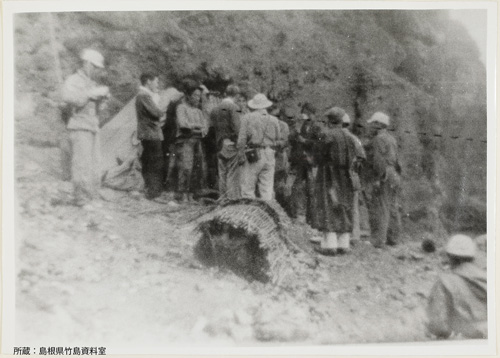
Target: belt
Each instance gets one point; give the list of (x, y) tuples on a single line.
[(256, 146)]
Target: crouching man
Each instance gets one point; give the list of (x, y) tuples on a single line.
[(457, 303)]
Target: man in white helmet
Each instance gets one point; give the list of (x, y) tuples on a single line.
[(83, 95), (457, 305), (383, 163)]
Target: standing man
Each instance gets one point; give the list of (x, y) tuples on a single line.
[(150, 134), (192, 127), (84, 96), (282, 165), (358, 162), (333, 188), (302, 164), (385, 221), (259, 134), (458, 300), (226, 120)]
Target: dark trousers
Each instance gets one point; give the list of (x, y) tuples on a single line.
[(302, 192), (191, 165), (170, 169), (210, 148), (385, 221), (152, 162)]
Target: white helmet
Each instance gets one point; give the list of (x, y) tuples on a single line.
[(379, 117), (346, 119), (93, 57), (461, 245)]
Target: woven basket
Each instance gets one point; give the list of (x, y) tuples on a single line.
[(250, 237)]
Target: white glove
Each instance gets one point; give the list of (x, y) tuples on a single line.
[(99, 92)]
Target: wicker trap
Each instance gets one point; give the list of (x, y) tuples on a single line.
[(251, 238)]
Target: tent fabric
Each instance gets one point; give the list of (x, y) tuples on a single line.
[(120, 148)]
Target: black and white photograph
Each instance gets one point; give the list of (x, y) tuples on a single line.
[(248, 177)]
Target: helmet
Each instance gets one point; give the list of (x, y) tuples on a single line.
[(346, 119), (335, 115), (461, 245), (93, 57), (379, 117), (259, 101)]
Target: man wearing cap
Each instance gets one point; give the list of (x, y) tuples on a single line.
[(457, 303), (84, 96), (358, 162), (334, 153), (259, 134), (150, 134), (385, 221), (226, 121)]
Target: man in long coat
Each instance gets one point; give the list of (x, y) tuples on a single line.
[(334, 153)]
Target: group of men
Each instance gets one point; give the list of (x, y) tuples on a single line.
[(311, 164)]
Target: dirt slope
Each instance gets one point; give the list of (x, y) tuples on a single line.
[(125, 274)]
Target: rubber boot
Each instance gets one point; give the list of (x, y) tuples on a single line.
[(329, 244), (344, 243)]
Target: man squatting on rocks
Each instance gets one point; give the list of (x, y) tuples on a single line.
[(83, 98), (457, 303)]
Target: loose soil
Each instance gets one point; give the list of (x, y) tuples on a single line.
[(124, 274)]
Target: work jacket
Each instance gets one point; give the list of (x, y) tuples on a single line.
[(76, 93), (457, 303), (148, 116)]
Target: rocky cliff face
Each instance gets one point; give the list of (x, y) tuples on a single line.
[(418, 66)]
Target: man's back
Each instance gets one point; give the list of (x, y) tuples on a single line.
[(384, 151), (148, 117), (259, 128), (458, 303), (226, 121)]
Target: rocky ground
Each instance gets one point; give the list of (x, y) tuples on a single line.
[(124, 274)]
